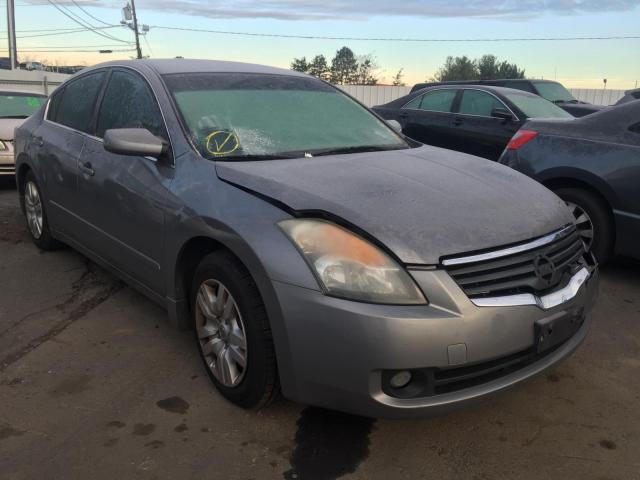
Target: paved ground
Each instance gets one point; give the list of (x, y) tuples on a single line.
[(94, 384)]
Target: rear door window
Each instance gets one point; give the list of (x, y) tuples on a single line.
[(78, 102), (436, 101), (129, 103), (479, 103)]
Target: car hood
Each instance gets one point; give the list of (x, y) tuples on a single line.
[(7, 127), (422, 203)]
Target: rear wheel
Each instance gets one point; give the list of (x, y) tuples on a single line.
[(593, 221), (232, 332), (36, 215)]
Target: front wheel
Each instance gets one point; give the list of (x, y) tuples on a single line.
[(232, 332), (593, 221)]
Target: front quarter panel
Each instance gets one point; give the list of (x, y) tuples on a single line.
[(207, 207)]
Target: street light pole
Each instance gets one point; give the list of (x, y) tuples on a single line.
[(135, 28), (11, 30)]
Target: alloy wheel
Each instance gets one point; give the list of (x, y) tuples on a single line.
[(33, 209), (221, 333), (584, 224)]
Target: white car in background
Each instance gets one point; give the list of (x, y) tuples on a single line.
[(15, 107)]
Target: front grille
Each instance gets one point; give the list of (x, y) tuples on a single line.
[(537, 270)]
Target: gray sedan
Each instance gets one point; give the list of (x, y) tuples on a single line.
[(311, 248)]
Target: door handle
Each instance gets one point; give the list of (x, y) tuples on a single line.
[(457, 122), (87, 169), (38, 142)]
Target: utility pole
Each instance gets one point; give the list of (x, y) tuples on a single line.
[(11, 30), (135, 28)]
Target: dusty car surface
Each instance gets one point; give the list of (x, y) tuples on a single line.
[(312, 249), (15, 106)]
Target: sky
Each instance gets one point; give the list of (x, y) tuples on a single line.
[(577, 64)]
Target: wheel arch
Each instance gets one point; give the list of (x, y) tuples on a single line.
[(190, 254), (577, 178)]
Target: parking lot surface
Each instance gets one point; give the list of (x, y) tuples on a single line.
[(95, 384)]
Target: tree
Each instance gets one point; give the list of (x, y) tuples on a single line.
[(344, 66), (509, 70), (397, 79), (490, 69), (366, 71), (300, 65), (486, 67), (458, 68), (320, 68)]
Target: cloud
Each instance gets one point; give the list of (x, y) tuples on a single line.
[(362, 10)]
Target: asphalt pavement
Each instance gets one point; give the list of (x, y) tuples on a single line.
[(95, 384)]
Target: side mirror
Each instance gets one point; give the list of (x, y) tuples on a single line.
[(134, 141), (502, 113), (395, 125)]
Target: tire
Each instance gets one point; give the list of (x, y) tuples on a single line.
[(34, 206), (598, 213), (256, 384)]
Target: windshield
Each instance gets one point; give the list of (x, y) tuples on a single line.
[(19, 105), (233, 116), (534, 106), (554, 92)]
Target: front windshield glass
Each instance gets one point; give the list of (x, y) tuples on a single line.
[(233, 116), (534, 106), (554, 92), (19, 105)]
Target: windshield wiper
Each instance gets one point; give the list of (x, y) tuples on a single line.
[(358, 149), (573, 100), (14, 116), (239, 158)]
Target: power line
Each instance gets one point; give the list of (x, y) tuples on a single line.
[(383, 39), (87, 13), (65, 11), (74, 51), (73, 46), (64, 32)]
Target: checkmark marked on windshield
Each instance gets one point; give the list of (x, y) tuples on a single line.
[(222, 142)]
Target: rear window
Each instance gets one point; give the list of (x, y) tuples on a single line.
[(536, 107), (554, 92)]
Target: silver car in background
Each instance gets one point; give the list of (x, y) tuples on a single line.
[(15, 107), (311, 248)]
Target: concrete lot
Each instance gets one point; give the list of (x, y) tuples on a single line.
[(95, 384)]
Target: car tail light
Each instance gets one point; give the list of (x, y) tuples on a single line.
[(521, 138)]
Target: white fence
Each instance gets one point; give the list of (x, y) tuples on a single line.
[(34, 81), (46, 82), (378, 95)]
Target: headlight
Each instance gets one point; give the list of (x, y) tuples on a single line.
[(3, 146), (349, 266)]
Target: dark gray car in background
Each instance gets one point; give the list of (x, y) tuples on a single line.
[(311, 248), (593, 163)]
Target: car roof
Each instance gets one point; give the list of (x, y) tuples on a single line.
[(474, 86), (182, 65)]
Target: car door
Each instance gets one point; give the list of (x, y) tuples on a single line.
[(478, 132), (123, 197), (58, 143), (427, 118)]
